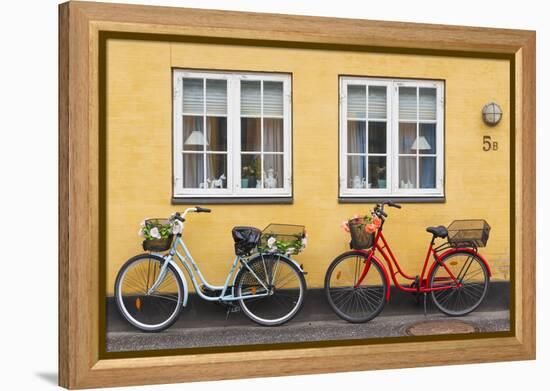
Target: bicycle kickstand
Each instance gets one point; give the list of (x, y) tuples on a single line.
[(425, 312)]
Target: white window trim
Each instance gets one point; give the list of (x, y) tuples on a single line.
[(233, 136), (392, 141)]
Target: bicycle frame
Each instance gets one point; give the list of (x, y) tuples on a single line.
[(191, 266), (422, 283)]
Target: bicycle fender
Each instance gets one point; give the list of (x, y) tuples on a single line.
[(184, 281), (384, 271), (462, 250)]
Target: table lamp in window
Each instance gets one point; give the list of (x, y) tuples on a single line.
[(421, 144), (196, 138)]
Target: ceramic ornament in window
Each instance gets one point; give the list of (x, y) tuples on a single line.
[(217, 183), (270, 180), (357, 182)]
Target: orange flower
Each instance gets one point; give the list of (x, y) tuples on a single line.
[(377, 221), (370, 228)]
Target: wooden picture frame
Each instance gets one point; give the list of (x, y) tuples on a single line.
[(83, 28)]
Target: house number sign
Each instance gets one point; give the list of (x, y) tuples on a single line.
[(489, 144)]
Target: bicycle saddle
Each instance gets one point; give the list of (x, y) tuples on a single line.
[(439, 231)]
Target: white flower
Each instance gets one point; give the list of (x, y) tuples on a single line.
[(304, 242), (290, 250), (177, 228), (271, 242), (155, 233)]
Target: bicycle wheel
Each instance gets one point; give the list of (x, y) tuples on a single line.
[(286, 288), (471, 272), (356, 304), (148, 312)]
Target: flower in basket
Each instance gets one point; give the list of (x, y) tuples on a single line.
[(156, 229), (287, 247), (345, 226), (177, 227), (366, 222)]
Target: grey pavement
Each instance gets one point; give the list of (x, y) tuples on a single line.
[(322, 330), (205, 324)]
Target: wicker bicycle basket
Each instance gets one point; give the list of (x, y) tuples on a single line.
[(157, 245), (360, 239), (468, 232)]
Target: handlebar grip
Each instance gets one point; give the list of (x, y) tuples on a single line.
[(393, 205), (200, 209)]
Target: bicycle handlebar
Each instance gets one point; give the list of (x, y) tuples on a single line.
[(196, 209), (379, 208)]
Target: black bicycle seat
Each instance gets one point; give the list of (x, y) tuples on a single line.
[(439, 231)]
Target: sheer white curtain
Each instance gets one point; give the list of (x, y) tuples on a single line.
[(204, 98)]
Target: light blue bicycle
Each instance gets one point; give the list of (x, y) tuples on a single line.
[(151, 289)]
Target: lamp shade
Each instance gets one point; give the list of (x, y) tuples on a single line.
[(421, 144), (196, 138)]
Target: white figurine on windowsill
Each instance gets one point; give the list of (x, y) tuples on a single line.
[(270, 180), (217, 183)]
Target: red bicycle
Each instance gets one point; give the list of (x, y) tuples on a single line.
[(357, 284)]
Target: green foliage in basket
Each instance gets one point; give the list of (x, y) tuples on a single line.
[(154, 229), (288, 247)]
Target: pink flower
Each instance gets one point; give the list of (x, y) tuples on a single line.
[(377, 222), (345, 226)]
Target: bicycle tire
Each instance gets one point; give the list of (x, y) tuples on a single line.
[(469, 292), (124, 307), (246, 279), (336, 298)]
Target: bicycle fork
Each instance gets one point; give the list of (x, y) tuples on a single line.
[(162, 274)]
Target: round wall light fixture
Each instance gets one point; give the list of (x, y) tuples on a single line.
[(491, 113)]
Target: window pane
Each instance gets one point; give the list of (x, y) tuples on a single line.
[(250, 97), (216, 97), (216, 170), (356, 136), (216, 133), (407, 136), (426, 142), (193, 95), (273, 171), (250, 134), (273, 99), (377, 137), (250, 171), (273, 135), (407, 103), (377, 102), (427, 172), (193, 134), (427, 106), (357, 101), (407, 172), (193, 170), (356, 172), (377, 172)]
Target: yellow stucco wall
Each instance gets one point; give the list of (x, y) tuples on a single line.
[(139, 147)]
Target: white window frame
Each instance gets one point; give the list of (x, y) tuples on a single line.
[(233, 115), (392, 138)]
